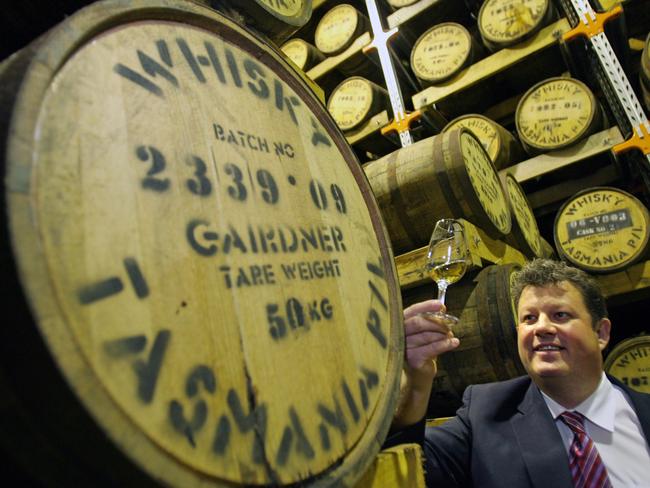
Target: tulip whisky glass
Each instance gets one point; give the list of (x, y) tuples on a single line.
[(447, 260)]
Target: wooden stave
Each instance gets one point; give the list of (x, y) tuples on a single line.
[(410, 218), (487, 333), (595, 123), (509, 151), (392, 207), (87, 23), (494, 45), (645, 243), (379, 101)]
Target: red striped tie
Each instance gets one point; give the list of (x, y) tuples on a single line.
[(587, 469)]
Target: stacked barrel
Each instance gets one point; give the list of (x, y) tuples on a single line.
[(202, 207), (516, 135), (197, 281)]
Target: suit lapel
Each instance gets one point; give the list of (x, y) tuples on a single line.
[(540, 442), (641, 404)]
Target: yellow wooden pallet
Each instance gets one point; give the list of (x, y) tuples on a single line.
[(633, 278), (397, 467), (410, 266)]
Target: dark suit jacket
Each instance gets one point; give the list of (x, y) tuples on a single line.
[(502, 436)]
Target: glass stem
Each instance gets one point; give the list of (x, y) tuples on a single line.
[(442, 291)]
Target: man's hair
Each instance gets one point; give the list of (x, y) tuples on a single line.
[(545, 272)]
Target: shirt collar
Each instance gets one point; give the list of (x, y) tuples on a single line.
[(599, 407)]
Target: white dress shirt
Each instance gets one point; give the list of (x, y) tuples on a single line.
[(612, 424)]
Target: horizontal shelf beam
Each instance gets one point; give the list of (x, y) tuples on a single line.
[(548, 162), (330, 63), (370, 127)]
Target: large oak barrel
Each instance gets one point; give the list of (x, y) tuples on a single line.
[(602, 229), (487, 333), (199, 281), (629, 361), (444, 176)]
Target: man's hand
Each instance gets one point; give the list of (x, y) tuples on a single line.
[(426, 339)]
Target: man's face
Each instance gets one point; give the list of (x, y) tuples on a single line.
[(555, 336)]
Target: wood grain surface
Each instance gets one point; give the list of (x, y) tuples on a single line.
[(200, 250), (445, 176)]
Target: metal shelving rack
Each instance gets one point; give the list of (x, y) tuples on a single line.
[(616, 87)]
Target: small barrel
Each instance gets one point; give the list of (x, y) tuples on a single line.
[(339, 28), (355, 100), (429, 13), (504, 23), (502, 147), (277, 20), (524, 235), (447, 175), (556, 113), (188, 247), (629, 362), (303, 54), (487, 333), (601, 229), (442, 52), (644, 73)]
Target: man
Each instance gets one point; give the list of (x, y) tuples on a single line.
[(511, 434)]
